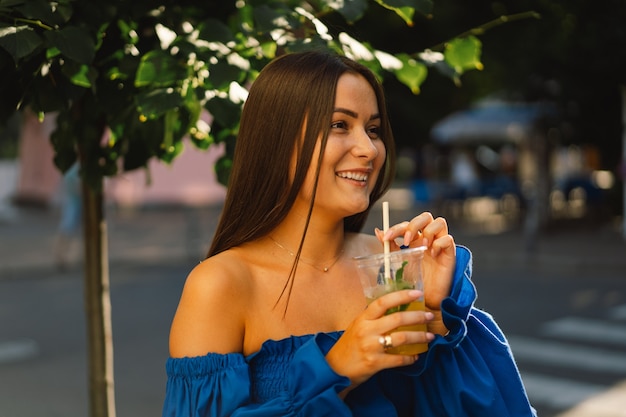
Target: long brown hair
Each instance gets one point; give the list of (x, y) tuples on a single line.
[(288, 90)]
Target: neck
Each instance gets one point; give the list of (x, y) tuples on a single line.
[(323, 242)]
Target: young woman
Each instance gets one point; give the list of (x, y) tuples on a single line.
[(274, 322)]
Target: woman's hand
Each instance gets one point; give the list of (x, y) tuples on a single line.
[(439, 259), (359, 353)]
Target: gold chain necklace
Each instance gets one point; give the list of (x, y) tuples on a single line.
[(323, 269)]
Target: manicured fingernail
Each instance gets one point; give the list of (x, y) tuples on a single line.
[(430, 336), (428, 315), (415, 293), (407, 238)]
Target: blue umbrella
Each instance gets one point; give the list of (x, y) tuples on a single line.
[(491, 121)]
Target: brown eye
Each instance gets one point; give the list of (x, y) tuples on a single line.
[(338, 125), (374, 132)]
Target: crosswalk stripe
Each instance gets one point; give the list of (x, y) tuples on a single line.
[(618, 312), (568, 355), (586, 329), (16, 350), (611, 403), (557, 393)]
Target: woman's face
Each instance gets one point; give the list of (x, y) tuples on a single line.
[(354, 152)]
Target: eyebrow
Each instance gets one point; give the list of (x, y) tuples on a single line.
[(354, 114)]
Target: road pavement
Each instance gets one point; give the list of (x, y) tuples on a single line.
[(42, 336)]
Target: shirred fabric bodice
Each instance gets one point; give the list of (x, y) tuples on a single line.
[(269, 365)]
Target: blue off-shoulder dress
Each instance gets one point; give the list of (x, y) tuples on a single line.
[(469, 372)]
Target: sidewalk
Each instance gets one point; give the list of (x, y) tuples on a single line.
[(180, 234), (28, 237)]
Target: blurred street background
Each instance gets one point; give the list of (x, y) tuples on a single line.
[(562, 305)]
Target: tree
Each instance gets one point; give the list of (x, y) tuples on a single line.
[(129, 81)]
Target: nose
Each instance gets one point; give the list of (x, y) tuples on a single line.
[(365, 147)]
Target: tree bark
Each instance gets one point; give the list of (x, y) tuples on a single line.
[(98, 305)]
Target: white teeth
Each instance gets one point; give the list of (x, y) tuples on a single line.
[(357, 176)]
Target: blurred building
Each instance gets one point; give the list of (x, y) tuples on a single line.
[(189, 180)]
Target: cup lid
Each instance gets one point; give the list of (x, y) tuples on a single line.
[(378, 257)]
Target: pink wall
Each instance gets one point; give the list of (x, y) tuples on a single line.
[(189, 180), (38, 178)]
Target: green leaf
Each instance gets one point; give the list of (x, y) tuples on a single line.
[(213, 30), (63, 142), (350, 10), (222, 74), (142, 140), (80, 75), (406, 8), (171, 152), (267, 19), (52, 53), (464, 54), (75, 43), (159, 69), (222, 169), (224, 111), (200, 135), (244, 17), (154, 103), (400, 272), (8, 4), (269, 49), (45, 11), (51, 93), (19, 41), (171, 119), (412, 74)]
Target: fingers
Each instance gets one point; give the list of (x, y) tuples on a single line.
[(386, 323), (421, 230), (401, 338), (382, 236), (395, 321), (362, 350), (444, 244), (379, 307), (403, 318)]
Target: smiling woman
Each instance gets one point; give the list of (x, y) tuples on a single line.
[(274, 321)]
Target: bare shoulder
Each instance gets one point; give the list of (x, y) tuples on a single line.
[(210, 315)]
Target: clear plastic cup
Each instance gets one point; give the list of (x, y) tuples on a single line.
[(405, 272)]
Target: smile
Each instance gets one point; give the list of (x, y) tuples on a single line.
[(356, 176)]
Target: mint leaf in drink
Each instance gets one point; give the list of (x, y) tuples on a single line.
[(399, 285), (400, 271)]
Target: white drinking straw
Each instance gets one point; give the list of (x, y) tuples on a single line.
[(386, 242)]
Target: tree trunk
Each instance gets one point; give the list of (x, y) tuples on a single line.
[(98, 305)]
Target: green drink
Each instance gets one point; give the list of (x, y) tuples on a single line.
[(402, 270)]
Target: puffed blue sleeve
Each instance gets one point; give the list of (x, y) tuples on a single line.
[(470, 372), (211, 385), (219, 385)]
